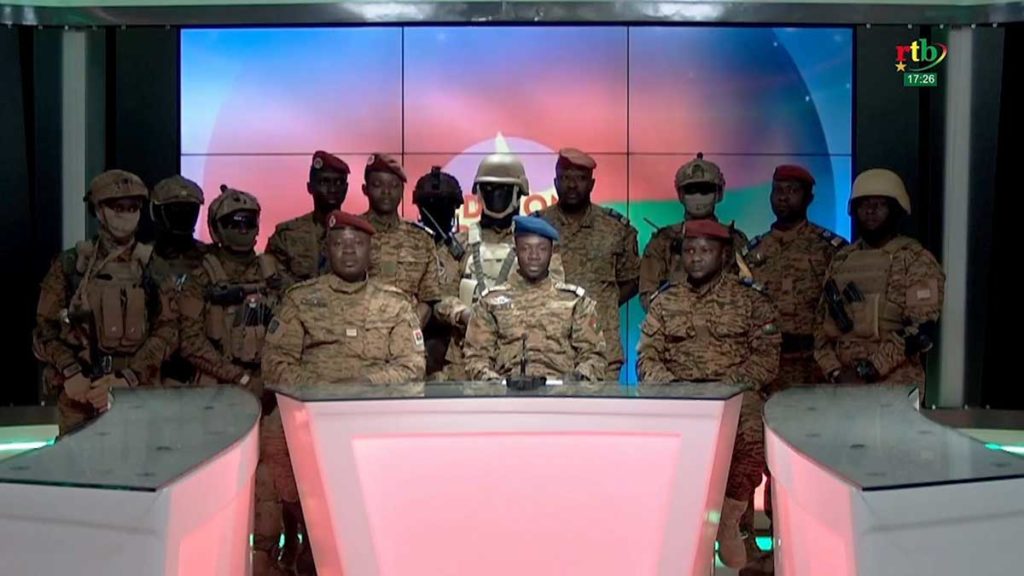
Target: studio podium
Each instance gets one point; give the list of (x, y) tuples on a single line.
[(865, 485), (160, 485), (473, 478)]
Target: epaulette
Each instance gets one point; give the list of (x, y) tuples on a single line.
[(749, 283), (497, 288), (570, 288), (663, 288), (614, 214), (422, 227), (834, 239), (392, 289), (302, 284)]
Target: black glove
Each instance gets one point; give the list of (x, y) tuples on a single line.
[(919, 339), (525, 382), (866, 371)]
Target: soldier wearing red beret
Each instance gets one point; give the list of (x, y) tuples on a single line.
[(403, 252), (712, 325), (598, 247), (298, 243), (790, 261)]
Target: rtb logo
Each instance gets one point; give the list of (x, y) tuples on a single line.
[(919, 56)]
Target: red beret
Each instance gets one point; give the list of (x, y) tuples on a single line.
[(339, 219), (706, 229), (573, 158), (324, 161), (793, 172), (383, 163)]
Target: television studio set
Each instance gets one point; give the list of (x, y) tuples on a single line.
[(510, 288)]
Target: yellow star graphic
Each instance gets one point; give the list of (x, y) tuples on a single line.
[(900, 66)]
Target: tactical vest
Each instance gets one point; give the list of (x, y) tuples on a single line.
[(239, 313), (487, 265), (874, 317), (115, 293)]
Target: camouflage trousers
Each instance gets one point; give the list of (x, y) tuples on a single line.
[(275, 483), (747, 465)]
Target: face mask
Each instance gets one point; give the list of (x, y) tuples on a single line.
[(699, 205), (178, 218), (498, 202), (120, 225), (239, 240)]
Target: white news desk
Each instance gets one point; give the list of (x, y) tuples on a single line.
[(865, 485), (474, 479), (159, 485)]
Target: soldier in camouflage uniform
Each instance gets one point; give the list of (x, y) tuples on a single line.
[(297, 244), (790, 261), (700, 186), (174, 208), (337, 328), (342, 327), (889, 288), (225, 307), (714, 326), (490, 257), (598, 247), (102, 321), (438, 196), (553, 323), (403, 252)]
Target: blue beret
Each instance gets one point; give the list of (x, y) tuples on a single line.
[(535, 225)]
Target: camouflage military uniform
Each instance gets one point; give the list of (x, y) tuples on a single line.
[(558, 320), (403, 256), (662, 263), (791, 265), (328, 330), (724, 331), (903, 285), (444, 339), (598, 253), (224, 341), (134, 323), (297, 244)]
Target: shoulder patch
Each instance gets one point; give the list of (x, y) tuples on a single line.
[(579, 291)]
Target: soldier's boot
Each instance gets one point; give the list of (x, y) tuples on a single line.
[(731, 548), (762, 566), (290, 551), (263, 564), (305, 565)]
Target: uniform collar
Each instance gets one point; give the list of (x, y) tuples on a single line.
[(339, 285), (516, 280), (585, 221), (709, 287), (382, 223), (795, 231)]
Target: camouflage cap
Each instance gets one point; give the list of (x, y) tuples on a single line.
[(699, 170), (114, 184), (177, 189)]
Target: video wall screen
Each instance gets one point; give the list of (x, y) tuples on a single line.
[(256, 103)]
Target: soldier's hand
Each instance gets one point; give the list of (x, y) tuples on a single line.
[(77, 387), (848, 375), (99, 394)]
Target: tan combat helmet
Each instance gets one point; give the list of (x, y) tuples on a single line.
[(700, 170), (502, 169), (229, 202), (879, 182), (177, 189), (115, 184)]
